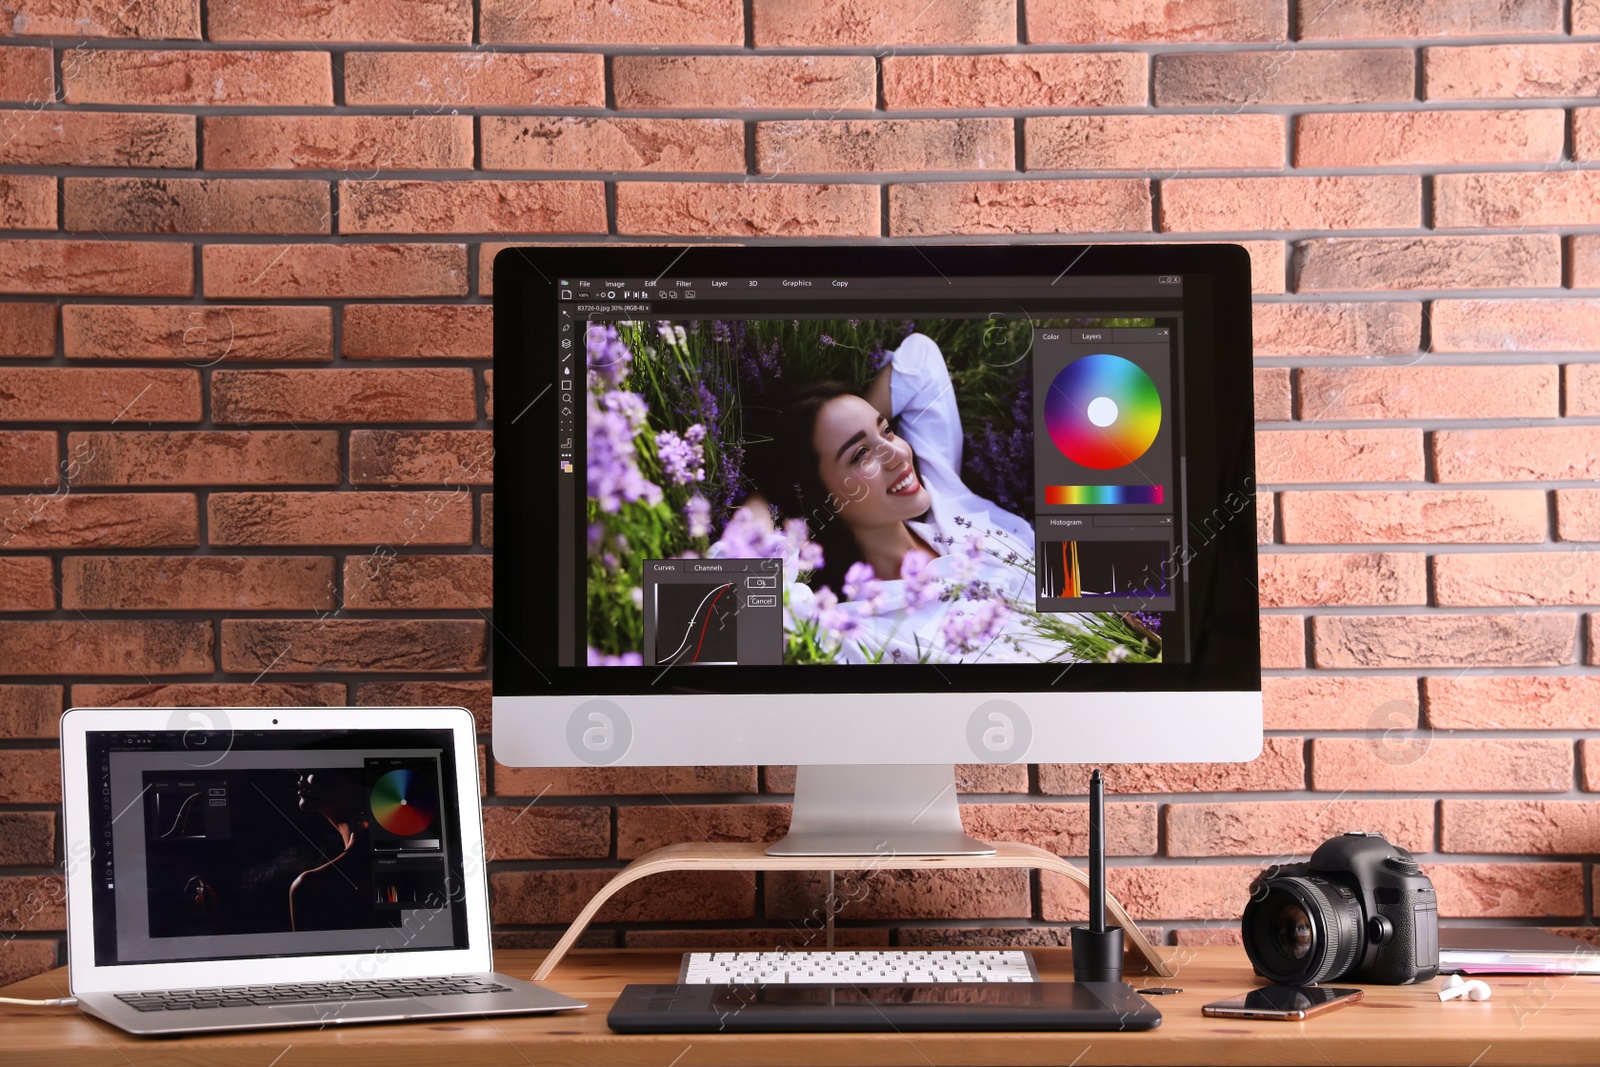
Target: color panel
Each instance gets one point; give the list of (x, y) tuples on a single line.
[(1102, 411), (403, 803), (1104, 494)]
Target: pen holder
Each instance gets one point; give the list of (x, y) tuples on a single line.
[(1097, 957)]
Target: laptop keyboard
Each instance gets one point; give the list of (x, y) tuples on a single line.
[(308, 993)]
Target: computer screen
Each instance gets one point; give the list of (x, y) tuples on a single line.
[(914, 474)]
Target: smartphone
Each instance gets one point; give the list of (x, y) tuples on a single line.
[(1282, 1002)]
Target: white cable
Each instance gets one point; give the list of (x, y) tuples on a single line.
[(58, 1002)]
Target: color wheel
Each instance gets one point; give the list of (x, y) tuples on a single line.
[(1102, 411), (404, 803)]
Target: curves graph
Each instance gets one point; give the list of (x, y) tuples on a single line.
[(694, 624)]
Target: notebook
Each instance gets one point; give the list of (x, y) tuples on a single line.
[(238, 868)]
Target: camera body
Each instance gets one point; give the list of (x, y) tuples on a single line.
[(1361, 909)]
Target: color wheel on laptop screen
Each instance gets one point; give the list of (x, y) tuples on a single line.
[(1102, 411), (403, 803)]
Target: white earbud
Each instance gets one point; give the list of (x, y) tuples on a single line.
[(1455, 988)]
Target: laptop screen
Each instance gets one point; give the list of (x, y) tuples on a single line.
[(253, 844)]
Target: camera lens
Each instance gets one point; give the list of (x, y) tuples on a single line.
[(1301, 931)]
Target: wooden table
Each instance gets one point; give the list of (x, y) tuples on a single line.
[(1552, 1020)]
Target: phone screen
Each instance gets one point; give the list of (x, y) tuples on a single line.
[(1283, 1002)]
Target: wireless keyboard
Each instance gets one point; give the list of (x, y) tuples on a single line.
[(877, 967)]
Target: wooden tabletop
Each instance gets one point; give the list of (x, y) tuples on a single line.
[(1538, 1020)]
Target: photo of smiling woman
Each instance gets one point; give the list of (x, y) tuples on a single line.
[(887, 464)]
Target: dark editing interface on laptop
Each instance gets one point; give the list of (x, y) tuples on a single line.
[(1034, 459), (215, 844)]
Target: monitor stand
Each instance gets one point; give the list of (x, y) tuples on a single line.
[(873, 810)]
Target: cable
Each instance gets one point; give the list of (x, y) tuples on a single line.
[(58, 1002)]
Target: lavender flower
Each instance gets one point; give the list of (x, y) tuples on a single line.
[(682, 458), (720, 331), (920, 586), (698, 513), (860, 581), (608, 357), (825, 341), (615, 418), (626, 659), (969, 631)]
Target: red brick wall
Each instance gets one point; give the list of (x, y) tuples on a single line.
[(246, 389)]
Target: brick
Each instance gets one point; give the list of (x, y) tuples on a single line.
[(1525, 827), (1277, 76), (1593, 658), (1456, 516), (1421, 138), (378, 143), (1347, 202), (768, 83), (1064, 828), (96, 139), (28, 458), (196, 205), (1209, 934), (476, 697), (1346, 578), (1319, 20), (30, 711), (1266, 517), (1591, 765), (1313, 329), (1585, 17), (1067, 22), (1517, 454), (1156, 142), (26, 584), (621, 781), (264, 693), (332, 644), (701, 939), (486, 521), (198, 335), (23, 958), (27, 202), (384, 519), (1516, 579), (412, 21), (1583, 261), (100, 520), (28, 331), (32, 903), (437, 81), (693, 22), (1582, 388), (643, 828), (1430, 764), (1102, 205), (556, 896), (418, 582), (1510, 71), (27, 75), (197, 583), (1281, 766), (1273, 399), (471, 207), (27, 839), (1507, 890), (264, 272), (82, 394), (1340, 703), (205, 457), (488, 395), (419, 394), (1292, 828), (800, 146), (1283, 642), (1285, 457), (546, 832), (834, 23), (1183, 892), (29, 776), (747, 209), (546, 939), (1428, 392), (1351, 641), (120, 268), (626, 144), (802, 896), (1586, 138), (1577, 515), (1511, 702), (418, 331), (1505, 199), (177, 77), (106, 647), (1514, 325), (1014, 80), (421, 457), (1336, 264), (103, 18)]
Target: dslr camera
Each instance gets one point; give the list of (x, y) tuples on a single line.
[(1360, 909)]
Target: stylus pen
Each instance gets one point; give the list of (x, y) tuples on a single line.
[(1097, 852)]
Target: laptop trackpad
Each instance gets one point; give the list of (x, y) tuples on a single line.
[(355, 1011)]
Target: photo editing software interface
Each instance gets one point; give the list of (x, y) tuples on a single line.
[(869, 470), (282, 843)]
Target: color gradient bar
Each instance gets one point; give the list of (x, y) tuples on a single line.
[(1104, 494)]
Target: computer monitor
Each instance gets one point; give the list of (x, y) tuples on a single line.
[(874, 511)]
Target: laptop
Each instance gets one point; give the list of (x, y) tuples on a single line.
[(241, 868)]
